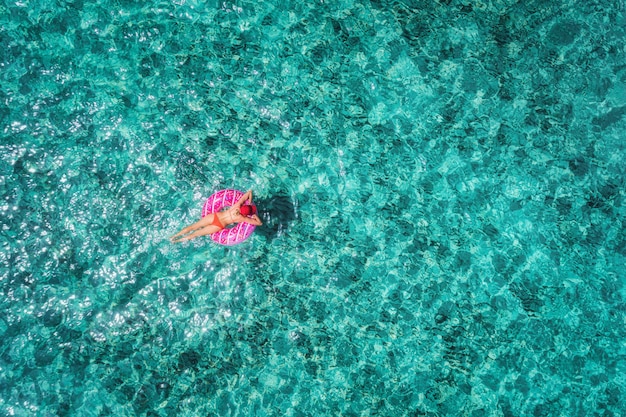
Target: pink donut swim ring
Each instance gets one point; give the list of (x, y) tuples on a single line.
[(226, 236)]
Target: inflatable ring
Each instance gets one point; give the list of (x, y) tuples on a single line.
[(227, 236)]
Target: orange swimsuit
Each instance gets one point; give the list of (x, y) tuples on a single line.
[(217, 222)]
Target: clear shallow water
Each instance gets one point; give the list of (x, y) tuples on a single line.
[(442, 186)]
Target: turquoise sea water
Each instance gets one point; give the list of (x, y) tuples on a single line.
[(442, 185)]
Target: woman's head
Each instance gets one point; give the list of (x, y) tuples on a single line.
[(247, 209)]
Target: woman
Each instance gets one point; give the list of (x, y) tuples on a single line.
[(215, 222)]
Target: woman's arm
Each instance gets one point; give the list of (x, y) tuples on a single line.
[(254, 220), (246, 196)]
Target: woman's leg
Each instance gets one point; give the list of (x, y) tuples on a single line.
[(205, 221), (201, 232)]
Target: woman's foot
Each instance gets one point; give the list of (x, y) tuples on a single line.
[(177, 238)]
